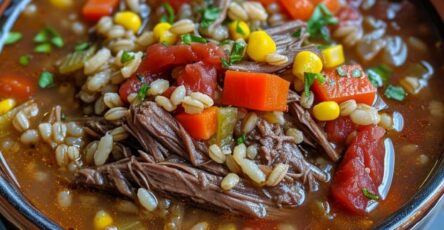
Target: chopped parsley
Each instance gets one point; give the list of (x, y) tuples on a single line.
[(46, 80), (81, 46), (309, 79), (241, 139), (209, 15), (341, 71), (225, 42), (297, 34), (170, 15), (395, 92), (24, 59), (319, 21), (239, 30), (43, 48), (356, 73), (13, 37), (45, 38), (143, 91), (126, 57), (369, 194), (189, 38), (379, 75), (237, 53)]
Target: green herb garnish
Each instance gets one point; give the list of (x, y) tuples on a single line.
[(395, 92), (341, 71), (379, 75), (43, 48), (143, 91), (356, 73), (24, 59), (369, 194), (225, 63), (189, 38), (319, 21), (41, 36), (236, 55), (81, 46), (46, 80), (297, 34), (241, 139), (58, 42), (225, 42), (126, 57), (309, 79), (209, 15), (239, 30), (13, 37), (170, 15)]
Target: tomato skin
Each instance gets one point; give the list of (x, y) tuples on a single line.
[(366, 152), (17, 87), (339, 129), (176, 4), (199, 77)]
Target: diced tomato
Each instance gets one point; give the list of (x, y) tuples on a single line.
[(199, 77), (339, 129), (17, 87), (93, 10), (158, 58), (354, 84), (362, 168), (209, 53), (132, 85)]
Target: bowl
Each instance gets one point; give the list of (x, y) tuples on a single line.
[(414, 214)]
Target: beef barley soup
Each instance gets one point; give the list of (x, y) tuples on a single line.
[(221, 114)]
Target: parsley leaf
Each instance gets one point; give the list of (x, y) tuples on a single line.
[(143, 91), (379, 75), (319, 21), (24, 59), (43, 48), (126, 57), (297, 34), (189, 38), (237, 53), (170, 15), (369, 194), (395, 92), (13, 37), (209, 15), (309, 79), (46, 80), (241, 139), (81, 46)]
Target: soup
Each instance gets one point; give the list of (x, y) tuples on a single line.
[(220, 114)]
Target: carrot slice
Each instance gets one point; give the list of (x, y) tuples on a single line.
[(298, 9), (332, 5), (17, 87), (93, 10), (344, 83), (200, 126), (258, 91)]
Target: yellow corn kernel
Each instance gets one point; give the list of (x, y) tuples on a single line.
[(62, 4), (260, 44), (333, 56), (6, 105), (160, 28), (129, 20), (239, 29), (306, 61), (168, 38), (102, 220), (326, 111)]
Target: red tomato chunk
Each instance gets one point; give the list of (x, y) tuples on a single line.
[(199, 77), (339, 129), (362, 168)]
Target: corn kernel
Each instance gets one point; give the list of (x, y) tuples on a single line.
[(6, 105), (102, 220), (326, 111), (160, 28), (333, 56), (260, 45), (306, 61), (62, 4), (239, 30), (168, 38), (129, 20)]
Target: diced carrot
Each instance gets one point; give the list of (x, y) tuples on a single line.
[(258, 91), (93, 10), (200, 126), (353, 84), (17, 87), (298, 9), (332, 5)]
